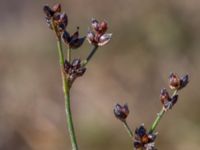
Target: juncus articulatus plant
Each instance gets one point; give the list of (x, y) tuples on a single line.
[(72, 68)]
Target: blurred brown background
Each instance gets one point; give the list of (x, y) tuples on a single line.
[(150, 40)]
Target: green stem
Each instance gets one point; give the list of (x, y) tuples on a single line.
[(159, 116), (156, 122), (92, 52), (66, 90), (130, 133)]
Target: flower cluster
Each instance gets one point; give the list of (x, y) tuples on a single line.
[(74, 69), (55, 19), (58, 21), (97, 35), (121, 112), (175, 83), (73, 41), (144, 140), (167, 101)]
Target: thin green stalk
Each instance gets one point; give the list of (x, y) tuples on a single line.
[(66, 90), (130, 133), (92, 52), (159, 117), (157, 120)]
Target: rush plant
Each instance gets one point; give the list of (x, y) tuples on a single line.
[(144, 139), (72, 68)]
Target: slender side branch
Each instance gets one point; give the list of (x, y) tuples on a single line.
[(66, 90), (157, 120), (159, 117), (92, 52), (129, 131)]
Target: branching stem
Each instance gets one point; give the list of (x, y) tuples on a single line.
[(66, 90), (159, 116), (92, 52), (128, 129)]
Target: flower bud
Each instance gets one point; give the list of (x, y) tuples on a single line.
[(64, 19), (48, 11), (177, 83), (67, 66), (164, 96), (66, 37), (97, 35), (121, 112), (73, 70), (167, 101), (174, 81), (174, 99), (76, 63), (103, 27), (73, 41), (91, 37), (144, 140), (104, 39), (184, 81), (94, 24)]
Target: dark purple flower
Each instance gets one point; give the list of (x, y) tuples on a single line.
[(167, 101), (177, 83), (74, 69), (144, 140), (184, 81), (97, 35), (121, 112), (74, 41), (54, 18)]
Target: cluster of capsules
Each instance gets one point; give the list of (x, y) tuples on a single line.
[(143, 139), (96, 36)]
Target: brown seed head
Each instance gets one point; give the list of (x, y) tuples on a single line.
[(174, 81)]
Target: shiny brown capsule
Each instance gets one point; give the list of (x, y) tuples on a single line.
[(73, 41), (121, 112), (174, 81), (97, 35)]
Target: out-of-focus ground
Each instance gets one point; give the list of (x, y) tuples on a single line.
[(150, 40)]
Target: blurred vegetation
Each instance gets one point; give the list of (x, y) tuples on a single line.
[(150, 40)]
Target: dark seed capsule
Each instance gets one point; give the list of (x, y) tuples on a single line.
[(64, 19), (76, 43), (103, 27), (104, 39), (56, 18), (184, 81), (67, 66), (174, 81), (164, 96), (66, 37), (141, 131), (80, 71), (174, 99), (144, 140), (76, 63), (121, 112), (48, 11), (95, 24), (91, 38)]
